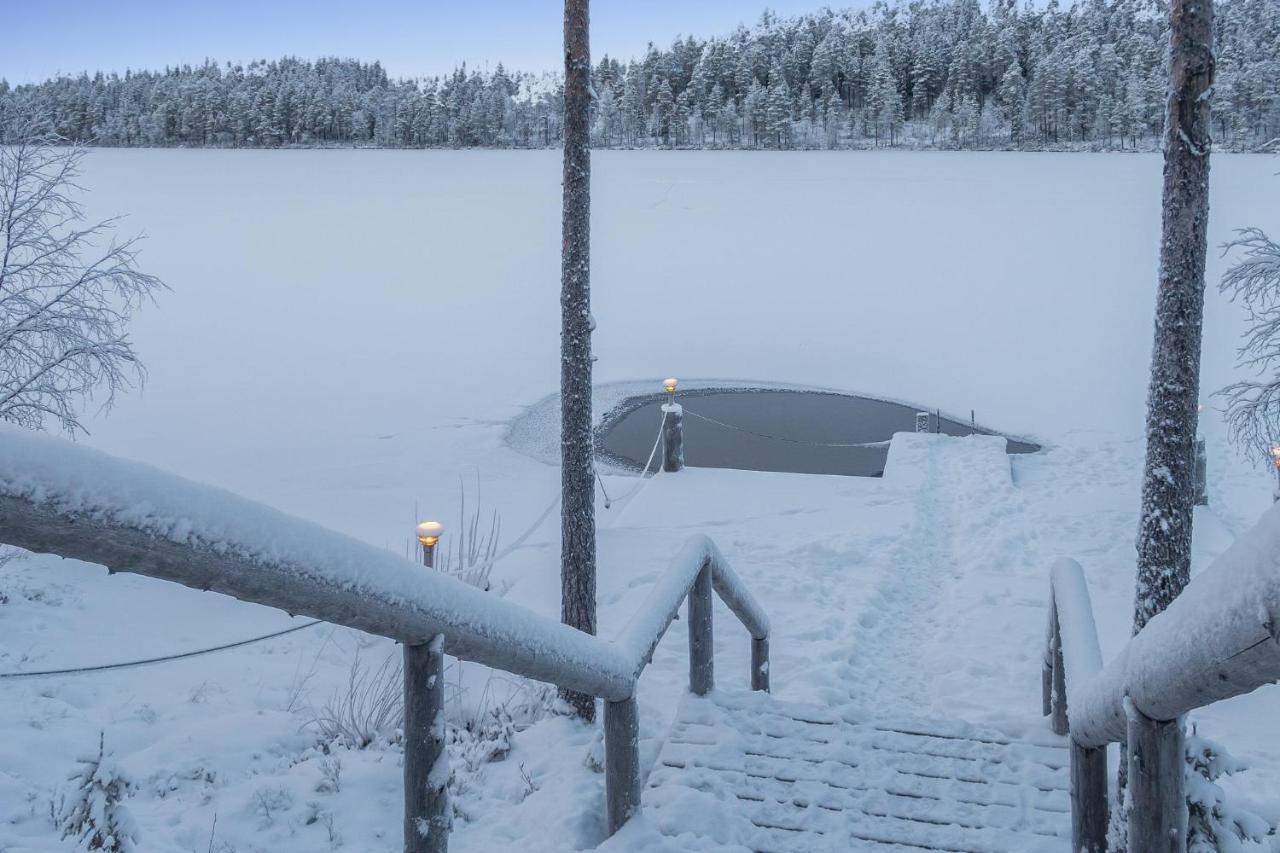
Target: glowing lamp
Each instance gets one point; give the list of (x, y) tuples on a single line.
[(429, 532), (1275, 456), (670, 385)]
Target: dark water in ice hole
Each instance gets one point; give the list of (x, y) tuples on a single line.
[(791, 419)]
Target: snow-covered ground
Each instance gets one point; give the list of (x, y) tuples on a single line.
[(351, 333)]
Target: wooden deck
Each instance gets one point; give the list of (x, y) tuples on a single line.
[(789, 778)]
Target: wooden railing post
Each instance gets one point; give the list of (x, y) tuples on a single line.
[(1058, 697), (1157, 801), (760, 663), (426, 763), (701, 634), (1089, 804), (621, 761), (672, 437)]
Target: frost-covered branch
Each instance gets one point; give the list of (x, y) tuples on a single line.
[(1253, 406), (67, 289)]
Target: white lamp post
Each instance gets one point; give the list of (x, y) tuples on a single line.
[(429, 533)]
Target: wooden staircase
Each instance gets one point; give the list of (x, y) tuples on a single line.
[(788, 778)]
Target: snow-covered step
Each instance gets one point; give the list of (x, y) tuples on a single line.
[(791, 777)]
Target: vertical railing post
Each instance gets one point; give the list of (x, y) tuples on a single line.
[(427, 817), (1046, 668), (1157, 802), (701, 634), (426, 763), (621, 761), (672, 437), (1089, 803), (1058, 702), (760, 664)]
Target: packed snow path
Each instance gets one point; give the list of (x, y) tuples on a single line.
[(909, 738), (807, 778)]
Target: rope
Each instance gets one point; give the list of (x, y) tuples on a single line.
[(644, 474), (148, 661), (783, 437)]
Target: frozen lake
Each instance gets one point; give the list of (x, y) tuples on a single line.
[(338, 316)]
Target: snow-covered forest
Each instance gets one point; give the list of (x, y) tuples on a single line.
[(935, 73)]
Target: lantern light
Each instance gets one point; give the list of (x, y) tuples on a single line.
[(670, 385), (1275, 456), (429, 532)]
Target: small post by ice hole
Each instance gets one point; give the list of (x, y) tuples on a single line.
[(922, 421), (1275, 459), (426, 770), (672, 429)]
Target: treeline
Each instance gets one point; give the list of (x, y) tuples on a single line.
[(927, 73)]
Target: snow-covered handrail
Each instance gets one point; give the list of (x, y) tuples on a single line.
[(642, 634), (1072, 659), (60, 498), (1072, 656), (1219, 638)]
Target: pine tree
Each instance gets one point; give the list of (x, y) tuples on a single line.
[(97, 818), (1011, 101), (577, 460)]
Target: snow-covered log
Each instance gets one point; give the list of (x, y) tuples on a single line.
[(643, 633), (1073, 659), (1219, 639), (58, 497), (1081, 654)]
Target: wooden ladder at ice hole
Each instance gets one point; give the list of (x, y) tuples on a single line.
[(808, 778)]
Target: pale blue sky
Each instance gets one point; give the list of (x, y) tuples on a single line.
[(411, 37)]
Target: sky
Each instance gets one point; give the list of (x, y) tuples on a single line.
[(411, 37)]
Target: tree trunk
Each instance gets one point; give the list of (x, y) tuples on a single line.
[(1164, 538), (1164, 532), (577, 522)]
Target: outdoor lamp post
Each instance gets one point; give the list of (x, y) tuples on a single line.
[(672, 429), (426, 793), (428, 535)]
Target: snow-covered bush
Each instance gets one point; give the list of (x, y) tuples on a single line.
[(469, 556), (97, 818), (1214, 826), (369, 709)]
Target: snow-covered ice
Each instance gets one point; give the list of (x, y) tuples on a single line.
[(351, 333)]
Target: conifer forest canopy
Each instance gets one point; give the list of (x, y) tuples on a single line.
[(935, 73)]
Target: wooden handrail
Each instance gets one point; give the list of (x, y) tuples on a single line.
[(697, 570), (59, 498), (1220, 638), (1072, 660)]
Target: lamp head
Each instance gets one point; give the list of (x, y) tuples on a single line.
[(429, 532), (670, 385)]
